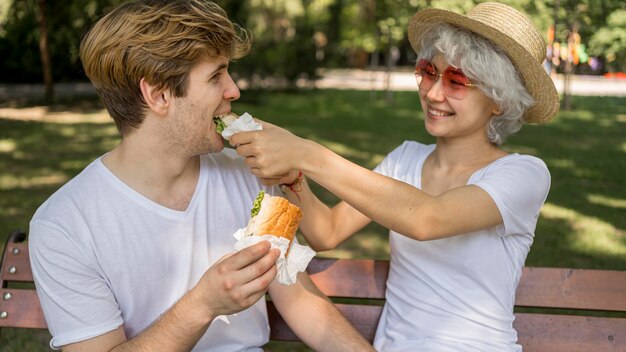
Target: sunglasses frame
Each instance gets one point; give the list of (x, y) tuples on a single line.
[(447, 90)]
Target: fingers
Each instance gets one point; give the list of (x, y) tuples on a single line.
[(245, 149), (251, 291), (249, 136), (258, 269), (240, 138), (247, 285), (246, 256), (257, 287)]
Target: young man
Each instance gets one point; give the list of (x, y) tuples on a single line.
[(135, 253)]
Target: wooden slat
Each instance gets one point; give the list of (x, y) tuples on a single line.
[(363, 318), (19, 262), (366, 279), (572, 288), (355, 278), (22, 308), (566, 333)]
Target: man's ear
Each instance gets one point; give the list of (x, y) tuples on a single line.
[(157, 99)]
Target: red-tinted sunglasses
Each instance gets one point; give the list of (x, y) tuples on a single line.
[(455, 82)]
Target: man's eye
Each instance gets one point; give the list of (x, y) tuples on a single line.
[(215, 78)]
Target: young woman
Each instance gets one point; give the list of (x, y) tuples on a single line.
[(461, 212)]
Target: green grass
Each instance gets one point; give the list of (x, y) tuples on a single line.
[(582, 224)]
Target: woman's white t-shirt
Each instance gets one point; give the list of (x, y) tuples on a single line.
[(457, 294)]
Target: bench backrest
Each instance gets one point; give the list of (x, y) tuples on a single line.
[(594, 301)]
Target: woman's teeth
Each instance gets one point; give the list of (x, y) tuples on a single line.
[(439, 112)]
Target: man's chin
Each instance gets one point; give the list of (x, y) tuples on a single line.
[(216, 146)]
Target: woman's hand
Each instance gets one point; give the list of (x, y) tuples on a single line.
[(272, 153)]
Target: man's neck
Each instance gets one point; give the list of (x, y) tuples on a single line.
[(160, 175)]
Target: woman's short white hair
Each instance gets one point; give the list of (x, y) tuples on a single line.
[(487, 66)]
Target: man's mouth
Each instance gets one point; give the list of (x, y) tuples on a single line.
[(223, 120)]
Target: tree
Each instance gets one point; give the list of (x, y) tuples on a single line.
[(610, 41), (43, 51)]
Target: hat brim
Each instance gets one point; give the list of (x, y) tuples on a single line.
[(534, 76)]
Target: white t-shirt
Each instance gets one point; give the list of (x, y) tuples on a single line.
[(458, 293), (103, 255)]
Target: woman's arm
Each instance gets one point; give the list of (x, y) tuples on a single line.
[(323, 227), (396, 205)]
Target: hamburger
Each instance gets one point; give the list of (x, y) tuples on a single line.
[(273, 215)]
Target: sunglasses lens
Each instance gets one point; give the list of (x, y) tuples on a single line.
[(426, 74), (455, 83)]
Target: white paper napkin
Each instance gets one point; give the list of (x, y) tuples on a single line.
[(245, 122), (288, 269)]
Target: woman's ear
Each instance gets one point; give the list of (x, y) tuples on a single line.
[(157, 99), (496, 111)]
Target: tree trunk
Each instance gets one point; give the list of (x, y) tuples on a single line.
[(43, 51), (567, 85)]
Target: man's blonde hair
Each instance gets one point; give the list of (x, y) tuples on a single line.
[(159, 41)]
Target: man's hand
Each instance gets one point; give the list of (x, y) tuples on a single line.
[(231, 285), (237, 280)]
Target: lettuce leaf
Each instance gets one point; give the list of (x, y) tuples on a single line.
[(220, 125), (257, 204)]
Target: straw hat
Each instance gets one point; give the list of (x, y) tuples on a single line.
[(515, 34)]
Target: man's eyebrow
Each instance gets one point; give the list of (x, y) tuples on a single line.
[(219, 68)]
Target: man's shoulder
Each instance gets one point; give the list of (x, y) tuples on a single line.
[(72, 192)]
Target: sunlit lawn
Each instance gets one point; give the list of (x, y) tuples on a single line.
[(582, 223)]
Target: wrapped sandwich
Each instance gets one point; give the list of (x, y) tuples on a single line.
[(225, 120), (229, 124), (275, 219), (272, 215)]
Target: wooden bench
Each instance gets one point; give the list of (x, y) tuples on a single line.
[(556, 309)]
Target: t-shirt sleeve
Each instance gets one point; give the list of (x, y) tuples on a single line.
[(519, 188), (388, 164), (75, 297), (394, 164)]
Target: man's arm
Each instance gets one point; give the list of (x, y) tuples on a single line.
[(314, 318), (231, 285)]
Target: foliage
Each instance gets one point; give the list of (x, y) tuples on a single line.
[(283, 47), (67, 21), (610, 41), (293, 38)]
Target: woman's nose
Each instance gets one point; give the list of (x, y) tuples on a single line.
[(435, 93)]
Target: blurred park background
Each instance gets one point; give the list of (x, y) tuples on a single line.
[(338, 72)]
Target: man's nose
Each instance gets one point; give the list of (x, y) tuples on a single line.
[(232, 91)]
